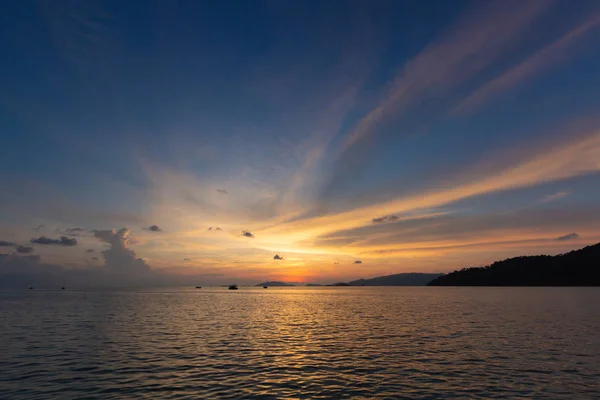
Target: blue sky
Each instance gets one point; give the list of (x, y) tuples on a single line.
[(472, 125)]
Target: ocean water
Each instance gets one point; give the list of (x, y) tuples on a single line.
[(330, 343)]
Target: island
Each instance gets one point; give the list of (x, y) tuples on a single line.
[(404, 279), (576, 268), (339, 284), (273, 283), (313, 284)]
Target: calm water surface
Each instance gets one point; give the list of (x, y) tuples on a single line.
[(420, 343)]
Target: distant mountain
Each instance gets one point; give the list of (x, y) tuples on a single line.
[(406, 279), (313, 284), (576, 268), (274, 283)]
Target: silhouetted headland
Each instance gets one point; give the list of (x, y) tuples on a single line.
[(576, 268), (274, 283), (405, 279)]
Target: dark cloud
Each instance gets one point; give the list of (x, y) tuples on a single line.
[(210, 228), (119, 257), (223, 191), (63, 241), (4, 243), (358, 262), (39, 227), (90, 250), (336, 262), (570, 236), (24, 249), (95, 258), (153, 228), (247, 234), (187, 259), (387, 218), (218, 229), (277, 257)]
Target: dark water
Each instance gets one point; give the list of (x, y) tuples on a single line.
[(301, 343)]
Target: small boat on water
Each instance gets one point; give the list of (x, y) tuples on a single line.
[(198, 287), (63, 288), (30, 287), (264, 287), (233, 287)]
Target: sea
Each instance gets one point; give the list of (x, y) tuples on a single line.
[(301, 343)]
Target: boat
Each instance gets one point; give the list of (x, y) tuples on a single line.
[(198, 287), (30, 287), (62, 288), (233, 287), (264, 287)]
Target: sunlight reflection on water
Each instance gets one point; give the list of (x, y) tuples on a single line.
[(301, 343)]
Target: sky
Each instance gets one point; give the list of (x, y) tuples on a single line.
[(219, 142)]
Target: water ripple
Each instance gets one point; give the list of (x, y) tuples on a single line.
[(318, 343)]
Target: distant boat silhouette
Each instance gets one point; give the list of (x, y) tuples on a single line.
[(264, 287), (63, 288), (198, 287), (233, 287), (30, 287)]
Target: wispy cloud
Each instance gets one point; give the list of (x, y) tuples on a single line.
[(70, 231), (563, 160), (555, 196), (4, 243), (223, 191), (467, 47), (39, 227), (548, 57)]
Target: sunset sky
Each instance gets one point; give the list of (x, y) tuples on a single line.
[(204, 138)]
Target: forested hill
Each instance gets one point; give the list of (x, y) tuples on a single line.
[(576, 268), (404, 279)]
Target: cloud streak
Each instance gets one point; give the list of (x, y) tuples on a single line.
[(466, 48), (387, 218), (580, 156), (548, 57)]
